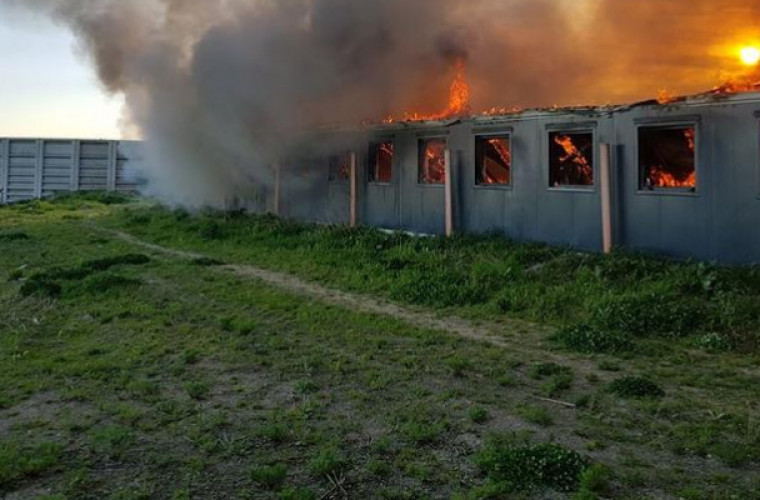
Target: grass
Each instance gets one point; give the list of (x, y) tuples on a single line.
[(515, 466), (612, 302), (128, 373), (635, 387)]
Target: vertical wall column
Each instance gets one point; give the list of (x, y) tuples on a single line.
[(606, 194), (75, 165), (5, 155), (449, 194), (276, 208), (113, 155), (352, 222), (38, 169)]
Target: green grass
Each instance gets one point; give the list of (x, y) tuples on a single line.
[(616, 299), (129, 373), (19, 461), (515, 466)]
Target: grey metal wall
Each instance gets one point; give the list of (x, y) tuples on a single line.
[(34, 168), (719, 221)]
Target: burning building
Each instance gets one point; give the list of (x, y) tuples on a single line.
[(683, 177), (233, 97)]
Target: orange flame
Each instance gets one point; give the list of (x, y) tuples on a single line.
[(572, 153), (499, 175), (459, 100), (661, 178)]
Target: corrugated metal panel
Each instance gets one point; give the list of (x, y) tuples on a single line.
[(22, 170), (93, 166), (58, 161), (128, 159), (33, 168)]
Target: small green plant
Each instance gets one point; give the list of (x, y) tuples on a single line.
[(17, 461), (197, 390), (478, 414), (207, 262), (713, 342), (306, 387), (421, 426), (270, 476), (535, 414), (41, 288), (209, 229), (14, 236), (595, 481), (119, 260), (296, 494), (458, 365), (190, 356), (378, 468), (104, 282), (635, 387), (543, 370), (327, 461), (649, 314), (590, 340), (520, 466), (557, 384), (274, 432), (112, 440)]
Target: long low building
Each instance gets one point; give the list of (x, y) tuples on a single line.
[(679, 179), (684, 178)]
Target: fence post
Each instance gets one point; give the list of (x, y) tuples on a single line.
[(606, 194), (449, 195), (38, 170), (353, 189), (113, 153), (276, 208), (75, 165), (5, 166)]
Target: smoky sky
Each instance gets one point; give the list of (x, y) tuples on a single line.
[(220, 87)]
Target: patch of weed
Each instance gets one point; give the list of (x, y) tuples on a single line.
[(41, 288), (421, 425), (105, 282), (119, 260), (274, 431), (111, 440), (635, 387), (13, 236), (535, 414), (589, 339), (522, 466), (327, 461), (269, 476), (19, 461), (649, 314), (713, 342), (478, 414), (291, 493), (543, 370), (207, 262), (197, 390)]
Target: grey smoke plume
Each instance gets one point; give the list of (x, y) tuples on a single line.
[(219, 87)]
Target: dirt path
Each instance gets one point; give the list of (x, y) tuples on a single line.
[(496, 334)]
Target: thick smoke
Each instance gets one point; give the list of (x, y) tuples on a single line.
[(218, 87)]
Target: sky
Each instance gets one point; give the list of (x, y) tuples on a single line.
[(47, 88)]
